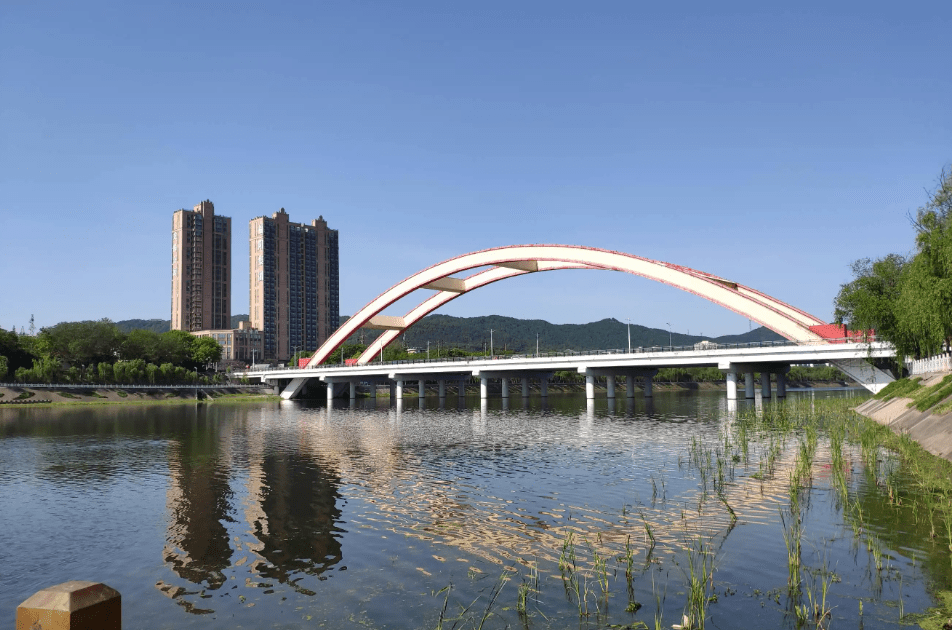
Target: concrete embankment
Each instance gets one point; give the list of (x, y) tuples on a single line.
[(932, 431)]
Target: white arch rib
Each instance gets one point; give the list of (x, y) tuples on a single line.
[(516, 260)]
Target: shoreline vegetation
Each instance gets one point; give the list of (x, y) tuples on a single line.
[(66, 395)]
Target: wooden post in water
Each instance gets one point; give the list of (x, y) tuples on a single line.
[(74, 605)]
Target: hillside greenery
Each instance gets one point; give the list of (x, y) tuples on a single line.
[(907, 300), (471, 334)]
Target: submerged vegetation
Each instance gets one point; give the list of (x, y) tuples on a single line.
[(784, 453)]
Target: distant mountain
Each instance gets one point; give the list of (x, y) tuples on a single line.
[(162, 325), (509, 333), (519, 335)]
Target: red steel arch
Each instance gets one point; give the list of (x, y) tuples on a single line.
[(517, 260)]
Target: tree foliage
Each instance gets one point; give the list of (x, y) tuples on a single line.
[(908, 301)]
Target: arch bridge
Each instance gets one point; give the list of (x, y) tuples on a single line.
[(447, 280)]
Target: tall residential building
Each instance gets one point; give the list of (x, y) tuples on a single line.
[(201, 269), (295, 290)]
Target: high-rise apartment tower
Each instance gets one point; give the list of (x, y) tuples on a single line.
[(201, 269), (295, 286)]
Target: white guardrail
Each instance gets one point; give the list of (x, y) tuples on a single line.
[(938, 363)]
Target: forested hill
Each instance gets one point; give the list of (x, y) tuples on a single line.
[(519, 335), (510, 333), (161, 325)]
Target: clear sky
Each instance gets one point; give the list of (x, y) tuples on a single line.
[(768, 143)]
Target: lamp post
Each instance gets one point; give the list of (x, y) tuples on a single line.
[(629, 335), (669, 334), (537, 345), (490, 342), (427, 350)]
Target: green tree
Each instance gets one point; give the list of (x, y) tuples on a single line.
[(4, 364), (141, 344), (175, 347), (871, 300), (205, 350), (80, 342), (105, 373)]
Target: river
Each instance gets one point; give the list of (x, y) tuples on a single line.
[(530, 514)]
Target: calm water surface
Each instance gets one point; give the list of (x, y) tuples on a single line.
[(292, 515)]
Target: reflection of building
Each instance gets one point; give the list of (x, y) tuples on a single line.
[(201, 269), (241, 344), (198, 501), (294, 293), (295, 519)]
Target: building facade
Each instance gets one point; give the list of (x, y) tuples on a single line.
[(295, 283), (201, 269), (239, 344)]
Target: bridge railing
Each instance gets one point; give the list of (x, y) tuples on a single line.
[(616, 351)]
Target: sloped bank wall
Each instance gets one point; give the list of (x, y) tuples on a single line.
[(932, 431)]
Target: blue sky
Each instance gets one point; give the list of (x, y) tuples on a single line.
[(768, 145)]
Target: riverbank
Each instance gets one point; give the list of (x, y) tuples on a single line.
[(65, 395), (931, 427)]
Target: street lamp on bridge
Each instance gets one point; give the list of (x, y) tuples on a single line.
[(490, 342), (629, 335), (670, 345)]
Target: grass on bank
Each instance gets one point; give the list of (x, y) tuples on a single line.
[(922, 398)]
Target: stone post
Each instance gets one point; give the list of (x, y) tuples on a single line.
[(74, 605)]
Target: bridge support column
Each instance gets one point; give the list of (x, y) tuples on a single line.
[(781, 385), (353, 390), (442, 383), (749, 385), (373, 391), (649, 378), (630, 386), (483, 388), (590, 386), (399, 391), (765, 385), (421, 387), (731, 377), (610, 384), (461, 388), (544, 386), (525, 386), (393, 390), (505, 388), (330, 392)]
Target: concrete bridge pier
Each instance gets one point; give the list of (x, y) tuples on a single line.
[(505, 388), (590, 386), (731, 377), (544, 386), (442, 386), (782, 381), (525, 386), (353, 390), (749, 386), (330, 392), (610, 385), (630, 386), (461, 388), (649, 379), (399, 392), (765, 385), (421, 388), (483, 388)]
